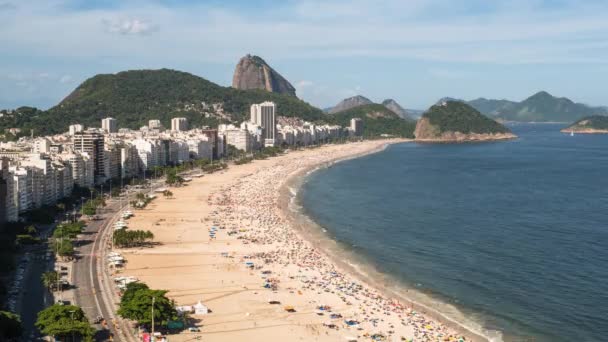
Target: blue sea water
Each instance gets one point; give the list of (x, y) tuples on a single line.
[(514, 234)]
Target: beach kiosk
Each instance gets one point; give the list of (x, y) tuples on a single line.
[(200, 309)]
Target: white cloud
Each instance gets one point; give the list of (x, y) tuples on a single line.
[(129, 26)]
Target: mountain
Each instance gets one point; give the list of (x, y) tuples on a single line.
[(491, 107), (455, 121), (589, 124), (349, 103), (252, 72), (396, 108), (540, 107), (377, 119), (448, 99), (136, 96)]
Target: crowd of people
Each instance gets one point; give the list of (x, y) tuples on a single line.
[(248, 210)]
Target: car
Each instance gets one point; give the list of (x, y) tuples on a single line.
[(194, 329)]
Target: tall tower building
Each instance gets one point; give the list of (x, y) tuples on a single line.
[(263, 115), (110, 125), (356, 126), (92, 143), (179, 124)]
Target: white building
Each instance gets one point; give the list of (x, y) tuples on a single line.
[(200, 149), (110, 125), (22, 178), (179, 124), (129, 161), (75, 129), (263, 114), (148, 153), (155, 124), (42, 145), (92, 143), (356, 126), (241, 139)]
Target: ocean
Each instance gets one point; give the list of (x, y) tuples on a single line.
[(512, 235)]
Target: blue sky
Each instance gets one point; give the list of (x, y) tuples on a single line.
[(414, 51)]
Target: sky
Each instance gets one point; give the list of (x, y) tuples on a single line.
[(414, 51)]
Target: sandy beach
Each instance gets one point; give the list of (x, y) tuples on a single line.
[(256, 255)]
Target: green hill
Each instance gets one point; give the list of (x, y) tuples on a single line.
[(592, 124), (455, 120), (134, 97), (377, 119)]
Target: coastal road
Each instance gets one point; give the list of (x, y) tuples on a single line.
[(94, 288), (88, 275)]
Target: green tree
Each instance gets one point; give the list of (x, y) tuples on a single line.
[(130, 291), (50, 279), (10, 326), (132, 238), (64, 321), (64, 247), (138, 307)]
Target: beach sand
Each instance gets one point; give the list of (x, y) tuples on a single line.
[(243, 202)]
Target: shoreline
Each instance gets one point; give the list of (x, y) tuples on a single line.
[(249, 207), (318, 238), (585, 131)]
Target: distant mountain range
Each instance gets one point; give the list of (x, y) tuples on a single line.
[(360, 100), (540, 107)]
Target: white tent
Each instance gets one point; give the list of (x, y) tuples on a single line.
[(200, 309)]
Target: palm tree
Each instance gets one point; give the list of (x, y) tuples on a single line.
[(50, 279)]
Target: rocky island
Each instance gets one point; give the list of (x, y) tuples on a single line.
[(595, 124), (455, 121)]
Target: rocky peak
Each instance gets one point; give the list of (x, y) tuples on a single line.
[(349, 103), (252, 72), (396, 108)]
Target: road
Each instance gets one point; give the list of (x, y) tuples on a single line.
[(94, 290)]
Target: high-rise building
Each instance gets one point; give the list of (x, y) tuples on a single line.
[(356, 126), (110, 125), (75, 129), (179, 124), (92, 143), (263, 114), (212, 137), (3, 193)]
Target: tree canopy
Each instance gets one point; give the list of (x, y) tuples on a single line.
[(136, 96), (456, 116), (64, 320), (136, 304)]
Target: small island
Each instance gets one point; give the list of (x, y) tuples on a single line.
[(595, 124), (455, 121)]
